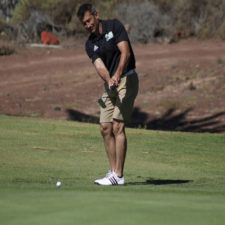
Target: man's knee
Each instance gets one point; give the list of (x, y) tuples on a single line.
[(118, 127), (106, 129)]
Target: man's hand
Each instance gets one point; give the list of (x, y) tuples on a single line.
[(116, 79), (111, 84)]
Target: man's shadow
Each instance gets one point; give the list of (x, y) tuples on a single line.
[(152, 181)]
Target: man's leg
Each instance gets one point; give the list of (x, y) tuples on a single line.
[(121, 146), (109, 142), (110, 145)]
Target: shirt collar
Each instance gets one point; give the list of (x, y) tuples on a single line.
[(104, 27), (104, 31)]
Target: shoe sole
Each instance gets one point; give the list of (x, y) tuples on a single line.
[(109, 184)]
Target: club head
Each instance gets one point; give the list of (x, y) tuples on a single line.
[(101, 103), (112, 86)]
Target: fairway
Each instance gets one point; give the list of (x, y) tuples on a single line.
[(172, 178)]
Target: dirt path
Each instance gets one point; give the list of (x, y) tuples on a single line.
[(182, 85)]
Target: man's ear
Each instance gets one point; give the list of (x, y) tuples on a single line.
[(96, 15)]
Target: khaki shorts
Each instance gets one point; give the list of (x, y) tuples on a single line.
[(119, 102)]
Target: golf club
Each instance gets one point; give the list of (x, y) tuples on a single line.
[(102, 102)]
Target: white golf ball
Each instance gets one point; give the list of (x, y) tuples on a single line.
[(58, 183)]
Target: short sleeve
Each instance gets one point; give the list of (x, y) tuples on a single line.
[(120, 32), (90, 49)]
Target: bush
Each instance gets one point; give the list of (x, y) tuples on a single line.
[(146, 21), (59, 11), (107, 8), (201, 18), (7, 32), (23, 9), (214, 23), (31, 29), (149, 19), (6, 50), (2, 23), (221, 31), (57, 14)]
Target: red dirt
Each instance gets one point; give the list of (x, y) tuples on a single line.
[(182, 85)]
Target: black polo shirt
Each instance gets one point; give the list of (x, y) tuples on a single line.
[(105, 46)]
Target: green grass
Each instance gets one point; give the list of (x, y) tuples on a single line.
[(173, 178)]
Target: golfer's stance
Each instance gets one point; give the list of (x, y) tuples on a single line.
[(110, 51)]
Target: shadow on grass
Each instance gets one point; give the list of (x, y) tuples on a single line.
[(169, 121), (81, 117), (172, 121), (159, 182)]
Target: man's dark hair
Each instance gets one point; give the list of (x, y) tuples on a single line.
[(83, 9)]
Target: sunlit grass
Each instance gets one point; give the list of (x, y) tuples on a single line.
[(172, 177)]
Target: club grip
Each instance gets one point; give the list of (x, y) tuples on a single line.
[(112, 86)]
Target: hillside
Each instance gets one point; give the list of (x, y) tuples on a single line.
[(182, 85)]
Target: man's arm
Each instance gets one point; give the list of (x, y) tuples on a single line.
[(102, 71), (124, 58)]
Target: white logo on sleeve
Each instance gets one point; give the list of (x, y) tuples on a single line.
[(109, 36), (95, 48)]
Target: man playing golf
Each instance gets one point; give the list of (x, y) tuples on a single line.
[(110, 51)]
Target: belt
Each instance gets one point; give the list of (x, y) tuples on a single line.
[(130, 72)]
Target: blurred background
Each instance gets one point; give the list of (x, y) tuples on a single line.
[(180, 53), (23, 20)]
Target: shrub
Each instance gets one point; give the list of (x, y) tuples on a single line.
[(214, 24), (23, 9), (202, 18), (6, 50), (31, 29), (221, 31), (2, 23), (56, 13), (59, 11), (148, 18), (7, 32), (106, 8), (146, 21)]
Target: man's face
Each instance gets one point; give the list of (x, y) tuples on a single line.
[(91, 22)]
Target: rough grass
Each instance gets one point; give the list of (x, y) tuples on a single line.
[(172, 178)]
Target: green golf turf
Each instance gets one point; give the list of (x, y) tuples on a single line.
[(172, 178)]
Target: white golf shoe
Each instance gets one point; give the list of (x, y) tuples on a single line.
[(111, 178)]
